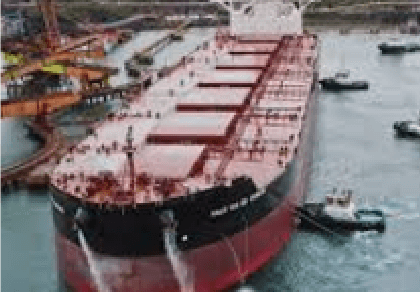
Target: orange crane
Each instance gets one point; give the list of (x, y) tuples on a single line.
[(57, 53), (49, 12), (53, 41)]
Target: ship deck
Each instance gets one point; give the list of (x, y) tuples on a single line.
[(235, 108)]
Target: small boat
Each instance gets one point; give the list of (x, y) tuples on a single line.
[(407, 128), (342, 81), (395, 46), (338, 214)]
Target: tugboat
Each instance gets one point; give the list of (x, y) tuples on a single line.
[(338, 214), (395, 46), (342, 81), (408, 128)]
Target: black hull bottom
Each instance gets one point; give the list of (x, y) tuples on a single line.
[(402, 130), (398, 50), (332, 86), (196, 227), (328, 226), (392, 51), (404, 134), (313, 219)]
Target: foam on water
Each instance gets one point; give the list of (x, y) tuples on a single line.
[(93, 267), (246, 289), (180, 268)]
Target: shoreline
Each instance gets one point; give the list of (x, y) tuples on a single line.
[(347, 31)]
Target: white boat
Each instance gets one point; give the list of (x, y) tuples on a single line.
[(338, 214), (343, 81), (397, 46)]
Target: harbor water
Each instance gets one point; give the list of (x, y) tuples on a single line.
[(356, 149)]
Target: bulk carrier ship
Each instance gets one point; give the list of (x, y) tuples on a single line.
[(193, 187)]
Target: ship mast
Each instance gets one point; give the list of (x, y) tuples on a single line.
[(129, 150)]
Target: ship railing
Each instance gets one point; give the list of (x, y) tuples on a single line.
[(304, 63), (272, 144), (296, 53), (279, 76), (284, 96), (292, 74), (275, 109), (287, 85), (215, 155), (289, 82), (216, 148), (282, 93), (276, 120), (257, 155), (293, 66), (291, 58)]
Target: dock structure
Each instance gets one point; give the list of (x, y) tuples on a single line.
[(36, 106), (35, 171), (68, 52), (93, 79), (32, 97), (134, 21), (53, 142), (48, 103), (146, 55)]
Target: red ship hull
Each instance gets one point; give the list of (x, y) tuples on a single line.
[(210, 267), (213, 267)]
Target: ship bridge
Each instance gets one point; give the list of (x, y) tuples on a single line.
[(265, 16)]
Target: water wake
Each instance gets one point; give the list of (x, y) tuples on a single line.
[(246, 289), (94, 271), (181, 270)]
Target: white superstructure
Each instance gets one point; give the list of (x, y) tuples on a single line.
[(265, 16), (340, 207)]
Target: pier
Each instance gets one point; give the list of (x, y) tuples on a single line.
[(48, 103), (146, 56), (53, 142)]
